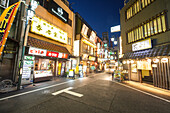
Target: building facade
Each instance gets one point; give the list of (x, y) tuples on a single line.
[(49, 41), (145, 41)]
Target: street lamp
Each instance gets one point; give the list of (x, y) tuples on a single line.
[(30, 13)]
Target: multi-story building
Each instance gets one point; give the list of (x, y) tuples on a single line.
[(85, 44), (145, 41), (50, 40)]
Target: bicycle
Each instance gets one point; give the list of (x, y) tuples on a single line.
[(5, 85)]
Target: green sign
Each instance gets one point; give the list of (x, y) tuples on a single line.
[(29, 57)]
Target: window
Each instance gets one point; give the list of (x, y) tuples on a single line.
[(146, 2), (145, 30), (140, 36), (149, 32), (69, 41), (151, 27), (69, 22), (132, 36), (155, 26), (149, 1), (137, 34), (159, 24), (163, 23), (137, 4), (143, 3)]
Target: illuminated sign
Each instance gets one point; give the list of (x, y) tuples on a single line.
[(105, 45), (146, 44), (6, 21), (29, 58), (76, 47), (42, 27), (92, 58), (89, 43), (37, 51), (93, 37), (84, 30), (52, 54), (164, 60), (115, 29), (55, 9)]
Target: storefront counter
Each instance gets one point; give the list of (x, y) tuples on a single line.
[(42, 75)]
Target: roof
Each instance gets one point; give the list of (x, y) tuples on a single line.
[(46, 45)]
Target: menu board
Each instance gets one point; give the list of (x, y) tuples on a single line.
[(26, 73)]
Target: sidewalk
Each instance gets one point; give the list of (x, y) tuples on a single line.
[(149, 89)]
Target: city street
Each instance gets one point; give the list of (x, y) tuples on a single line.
[(93, 94)]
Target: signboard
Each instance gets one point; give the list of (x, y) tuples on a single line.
[(52, 54), (84, 30), (37, 51), (115, 29), (76, 47), (146, 44), (27, 69), (44, 28), (6, 21), (29, 58), (93, 37), (58, 11), (92, 58)]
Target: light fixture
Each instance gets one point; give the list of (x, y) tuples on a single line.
[(115, 42), (164, 60), (131, 61), (112, 39), (128, 62), (124, 62), (155, 60)]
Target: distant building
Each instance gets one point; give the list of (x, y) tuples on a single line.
[(145, 41)]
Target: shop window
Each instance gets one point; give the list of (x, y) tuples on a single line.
[(141, 29), (137, 34), (159, 24), (163, 23), (155, 26), (140, 37)]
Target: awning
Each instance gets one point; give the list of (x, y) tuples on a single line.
[(46, 45), (156, 51)]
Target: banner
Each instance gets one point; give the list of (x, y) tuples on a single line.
[(6, 21)]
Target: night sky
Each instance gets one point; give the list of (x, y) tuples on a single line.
[(99, 14)]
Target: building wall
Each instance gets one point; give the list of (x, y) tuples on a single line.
[(44, 14), (145, 14)]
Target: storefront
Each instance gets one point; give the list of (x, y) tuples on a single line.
[(150, 66), (46, 63)]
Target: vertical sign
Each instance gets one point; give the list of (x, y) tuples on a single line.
[(6, 21)]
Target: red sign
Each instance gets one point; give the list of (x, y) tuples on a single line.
[(65, 56), (52, 54)]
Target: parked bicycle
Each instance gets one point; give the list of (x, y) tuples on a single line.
[(5, 85)]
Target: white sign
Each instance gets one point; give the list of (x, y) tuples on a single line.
[(42, 27), (84, 30), (164, 60), (37, 51), (146, 44), (76, 47), (115, 29), (93, 37)]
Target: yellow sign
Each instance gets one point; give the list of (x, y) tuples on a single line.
[(42, 27), (6, 21), (59, 68)]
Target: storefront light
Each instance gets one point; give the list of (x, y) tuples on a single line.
[(149, 60), (155, 60), (128, 61), (124, 62), (131, 61)]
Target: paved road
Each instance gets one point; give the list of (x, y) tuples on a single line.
[(99, 96)]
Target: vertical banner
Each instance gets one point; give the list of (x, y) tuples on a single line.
[(6, 21)]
